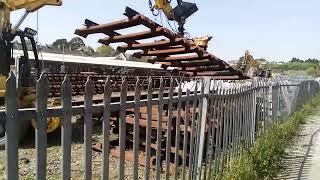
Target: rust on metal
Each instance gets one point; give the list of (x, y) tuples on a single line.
[(171, 50)]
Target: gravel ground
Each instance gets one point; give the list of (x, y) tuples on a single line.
[(297, 162), (27, 157)]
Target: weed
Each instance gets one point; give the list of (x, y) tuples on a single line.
[(263, 160)]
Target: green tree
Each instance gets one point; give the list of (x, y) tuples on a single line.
[(296, 60), (313, 71), (106, 51), (61, 43), (76, 43), (87, 50)]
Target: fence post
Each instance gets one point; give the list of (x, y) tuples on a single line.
[(206, 85), (275, 101), (42, 90), (11, 128)]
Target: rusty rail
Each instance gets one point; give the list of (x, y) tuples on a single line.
[(78, 82)]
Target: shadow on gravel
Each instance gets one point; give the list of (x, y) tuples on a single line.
[(54, 139), (306, 163), (300, 164)]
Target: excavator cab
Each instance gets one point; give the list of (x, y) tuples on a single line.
[(21, 65), (19, 44), (22, 42)]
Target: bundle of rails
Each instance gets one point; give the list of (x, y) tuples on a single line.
[(173, 51), (78, 82)]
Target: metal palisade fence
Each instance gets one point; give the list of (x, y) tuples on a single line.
[(188, 130)]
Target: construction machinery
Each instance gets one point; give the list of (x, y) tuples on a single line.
[(251, 67), (21, 65), (202, 41), (180, 13)]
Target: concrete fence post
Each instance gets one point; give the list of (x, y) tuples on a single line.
[(203, 123)]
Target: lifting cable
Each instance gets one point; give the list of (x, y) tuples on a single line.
[(37, 43)]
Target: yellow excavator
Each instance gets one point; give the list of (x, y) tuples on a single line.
[(180, 13), (251, 67), (26, 87)]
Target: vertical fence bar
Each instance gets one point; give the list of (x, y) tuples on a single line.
[(159, 131), (228, 133), (42, 89), (259, 97), (209, 133), (233, 130), (247, 116), (255, 119), (148, 130), (219, 130), (186, 132), (250, 115), (275, 102), (196, 170), (228, 127), (66, 133), (224, 130), (122, 124), (213, 130), (88, 98), (136, 127), (202, 124), (169, 133), (267, 104), (238, 120), (243, 118), (252, 106), (253, 112), (197, 131), (11, 128), (192, 130), (177, 140), (106, 128), (264, 100)]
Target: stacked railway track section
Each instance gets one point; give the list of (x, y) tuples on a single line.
[(160, 45)]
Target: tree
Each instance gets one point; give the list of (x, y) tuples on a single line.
[(87, 50), (60, 44), (312, 71), (314, 61), (76, 43), (261, 60), (296, 60), (106, 51)]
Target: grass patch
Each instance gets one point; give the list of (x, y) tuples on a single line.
[(263, 160)]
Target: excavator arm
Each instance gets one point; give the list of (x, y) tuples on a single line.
[(30, 5), (165, 6), (6, 6), (180, 13)]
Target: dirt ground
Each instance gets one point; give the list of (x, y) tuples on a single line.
[(27, 157), (302, 157)]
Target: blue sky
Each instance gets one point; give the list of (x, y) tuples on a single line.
[(272, 29)]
